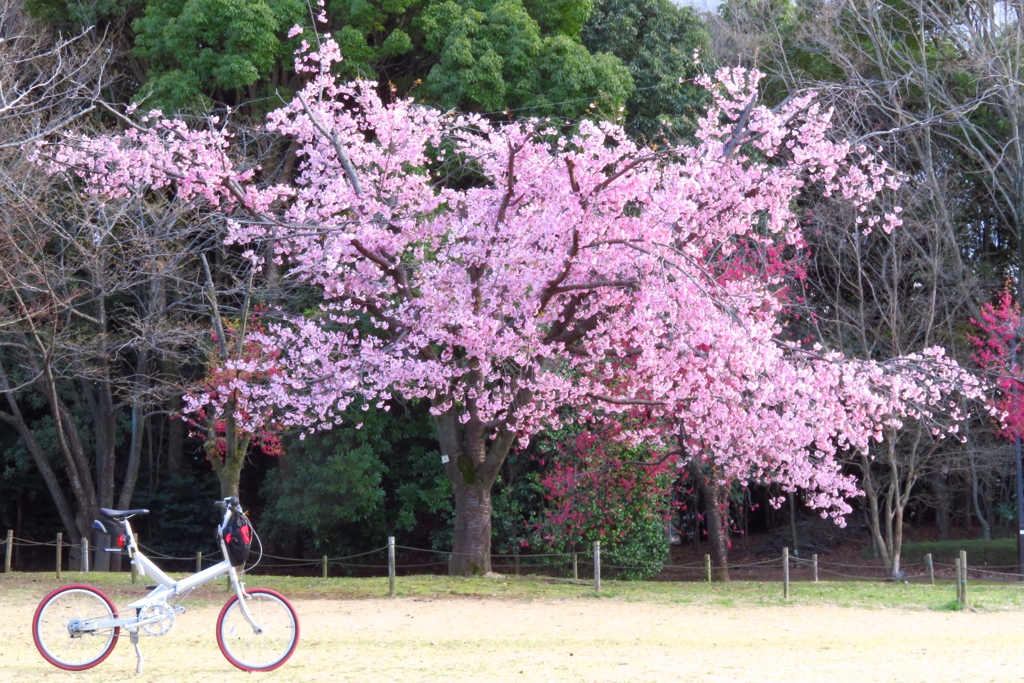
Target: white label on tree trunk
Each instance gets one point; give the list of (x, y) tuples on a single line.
[(444, 461)]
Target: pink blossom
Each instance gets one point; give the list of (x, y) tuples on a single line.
[(579, 270)]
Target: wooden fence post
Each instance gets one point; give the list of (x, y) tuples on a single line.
[(60, 547), (85, 554), (707, 567), (785, 573), (814, 561), (575, 567), (391, 566), (956, 564), (8, 550), (597, 566), (199, 561), (930, 567), (963, 576)]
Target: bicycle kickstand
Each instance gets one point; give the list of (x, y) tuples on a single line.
[(138, 652)]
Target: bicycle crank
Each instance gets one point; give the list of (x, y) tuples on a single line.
[(156, 619)]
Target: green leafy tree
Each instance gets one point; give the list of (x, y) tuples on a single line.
[(562, 17), (377, 38), (75, 16), (524, 56), (206, 51), (347, 489), (656, 40), (494, 56), (27, 507), (518, 506), (183, 517)]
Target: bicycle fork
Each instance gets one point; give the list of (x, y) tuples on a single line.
[(243, 599)]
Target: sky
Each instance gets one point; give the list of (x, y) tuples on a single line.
[(709, 5)]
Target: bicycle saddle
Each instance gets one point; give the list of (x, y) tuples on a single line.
[(121, 515)]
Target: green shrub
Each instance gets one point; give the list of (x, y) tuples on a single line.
[(1000, 552)]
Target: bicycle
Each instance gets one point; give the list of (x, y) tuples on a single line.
[(76, 627)]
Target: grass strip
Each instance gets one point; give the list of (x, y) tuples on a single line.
[(985, 596)]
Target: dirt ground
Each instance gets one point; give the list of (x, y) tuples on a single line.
[(567, 640)]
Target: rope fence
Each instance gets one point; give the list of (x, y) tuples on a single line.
[(565, 566)]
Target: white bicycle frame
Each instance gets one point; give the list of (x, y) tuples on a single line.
[(168, 587)]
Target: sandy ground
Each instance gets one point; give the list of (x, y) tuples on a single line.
[(571, 640)]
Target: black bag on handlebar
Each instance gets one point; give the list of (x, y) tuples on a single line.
[(238, 538)]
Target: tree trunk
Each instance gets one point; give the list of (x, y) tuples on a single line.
[(874, 518), (230, 472), (131, 477), (897, 545), (236, 447), (100, 399), (472, 468), (986, 529), (17, 420), (940, 489), (715, 515), (175, 423), (792, 523), (717, 540), (899, 490), (175, 437), (229, 483), (471, 548), (171, 370)]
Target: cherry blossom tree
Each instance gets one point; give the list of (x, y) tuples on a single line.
[(519, 276), (997, 353), (229, 432)]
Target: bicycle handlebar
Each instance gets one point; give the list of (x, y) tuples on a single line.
[(231, 502)]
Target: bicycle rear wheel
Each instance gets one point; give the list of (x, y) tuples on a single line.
[(270, 644), (65, 627)]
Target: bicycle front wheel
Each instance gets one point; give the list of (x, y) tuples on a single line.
[(68, 627), (269, 643)]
